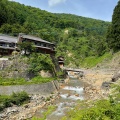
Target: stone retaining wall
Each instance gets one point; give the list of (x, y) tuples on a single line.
[(43, 89)]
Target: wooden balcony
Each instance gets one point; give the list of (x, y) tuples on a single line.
[(6, 47)]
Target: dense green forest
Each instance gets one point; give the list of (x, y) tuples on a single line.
[(76, 37), (113, 35)]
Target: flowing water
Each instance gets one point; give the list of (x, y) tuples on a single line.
[(69, 95)]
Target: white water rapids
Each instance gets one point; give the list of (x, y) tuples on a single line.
[(69, 95)]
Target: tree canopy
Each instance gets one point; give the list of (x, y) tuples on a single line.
[(113, 35), (75, 37)]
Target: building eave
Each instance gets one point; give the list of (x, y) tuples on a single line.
[(35, 39), (10, 48)]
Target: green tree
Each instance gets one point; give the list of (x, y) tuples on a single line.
[(27, 47), (39, 62), (6, 28), (113, 35), (85, 36)]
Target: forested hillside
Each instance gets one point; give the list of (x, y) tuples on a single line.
[(113, 35), (75, 37)]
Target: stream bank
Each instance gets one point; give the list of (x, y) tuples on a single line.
[(40, 95), (27, 111), (88, 88), (69, 94)]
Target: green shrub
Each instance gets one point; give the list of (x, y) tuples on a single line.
[(38, 62), (15, 98), (19, 98), (7, 102), (1, 107)]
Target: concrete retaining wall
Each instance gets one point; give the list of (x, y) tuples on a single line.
[(43, 89)]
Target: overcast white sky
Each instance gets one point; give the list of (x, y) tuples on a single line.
[(97, 9)]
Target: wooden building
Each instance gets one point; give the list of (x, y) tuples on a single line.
[(61, 61), (42, 46), (7, 44)]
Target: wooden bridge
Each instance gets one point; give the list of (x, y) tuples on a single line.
[(74, 73)]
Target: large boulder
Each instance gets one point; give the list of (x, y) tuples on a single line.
[(105, 85), (116, 77)]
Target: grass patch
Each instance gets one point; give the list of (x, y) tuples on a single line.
[(94, 60), (50, 109), (22, 81)]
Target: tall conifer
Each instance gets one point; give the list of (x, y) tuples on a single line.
[(113, 36)]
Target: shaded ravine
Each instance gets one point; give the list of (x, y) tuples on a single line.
[(68, 97)]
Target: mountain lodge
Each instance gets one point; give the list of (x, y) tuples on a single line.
[(8, 44)]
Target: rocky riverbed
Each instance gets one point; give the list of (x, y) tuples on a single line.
[(28, 110), (93, 90), (97, 79)]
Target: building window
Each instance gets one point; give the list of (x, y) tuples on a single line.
[(3, 44), (38, 43), (12, 45), (42, 44), (47, 45)]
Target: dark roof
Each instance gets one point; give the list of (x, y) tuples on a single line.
[(35, 38), (8, 39), (11, 48), (60, 57)]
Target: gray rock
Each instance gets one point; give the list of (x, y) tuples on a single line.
[(11, 110), (105, 85), (3, 116), (116, 77)]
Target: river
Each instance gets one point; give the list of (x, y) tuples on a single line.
[(69, 95)]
